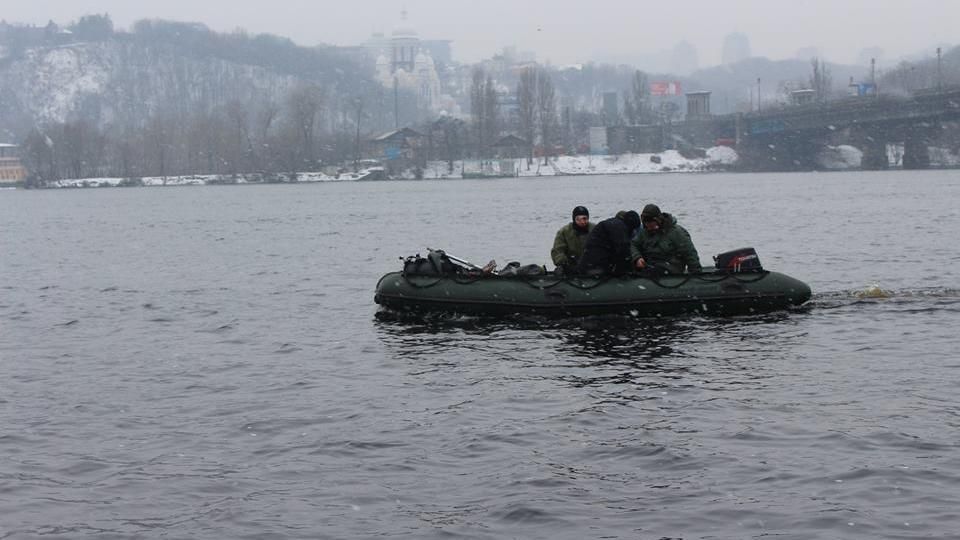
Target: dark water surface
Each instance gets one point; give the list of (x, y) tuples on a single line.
[(207, 363)]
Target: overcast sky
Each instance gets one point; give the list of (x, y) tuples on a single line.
[(562, 31)]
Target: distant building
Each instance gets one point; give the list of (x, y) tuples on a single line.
[(439, 49), (635, 139), (598, 140), (684, 58), (861, 89), (400, 149), (511, 147), (11, 170), (404, 61), (698, 105), (803, 96), (736, 47)]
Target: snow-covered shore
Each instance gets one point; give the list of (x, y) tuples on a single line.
[(215, 179), (717, 158)]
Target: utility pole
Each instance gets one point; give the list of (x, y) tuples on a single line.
[(939, 73), (758, 94), (356, 158), (396, 104)]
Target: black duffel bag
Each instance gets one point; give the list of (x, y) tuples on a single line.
[(435, 264)]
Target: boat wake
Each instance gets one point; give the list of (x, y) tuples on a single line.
[(875, 294)]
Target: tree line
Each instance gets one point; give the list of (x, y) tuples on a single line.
[(270, 138), (308, 128), (184, 100)]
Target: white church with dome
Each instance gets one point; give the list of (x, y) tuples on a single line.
[(404, 62)]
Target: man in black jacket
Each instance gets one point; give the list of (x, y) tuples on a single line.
[(608, 245)]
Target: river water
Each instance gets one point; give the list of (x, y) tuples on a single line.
[(208, 363)]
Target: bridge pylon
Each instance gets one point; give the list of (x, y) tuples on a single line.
[(916, 145), (872, 141)]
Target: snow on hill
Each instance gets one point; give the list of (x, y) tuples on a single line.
[(124, 82)]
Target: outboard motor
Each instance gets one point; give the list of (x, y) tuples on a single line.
[(738, 260)]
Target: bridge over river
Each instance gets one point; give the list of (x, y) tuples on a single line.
[(789, 137)]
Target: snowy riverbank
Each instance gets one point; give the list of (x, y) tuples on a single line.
[(217, 179), (717, 158)]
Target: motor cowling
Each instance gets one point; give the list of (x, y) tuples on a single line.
[(738, 260)]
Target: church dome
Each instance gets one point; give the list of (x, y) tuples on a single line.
[(423, 60), (404, 32)]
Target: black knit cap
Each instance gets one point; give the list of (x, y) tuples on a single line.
[(580, 211), (650, 211), (631, 219)]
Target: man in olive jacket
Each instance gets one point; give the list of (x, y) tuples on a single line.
[(570, 240), (662, 245)]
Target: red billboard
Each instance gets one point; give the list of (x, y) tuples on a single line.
[(665, 88)]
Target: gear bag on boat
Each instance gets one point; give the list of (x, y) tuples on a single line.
[(436, 263)]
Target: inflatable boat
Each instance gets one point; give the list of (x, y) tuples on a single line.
[(738, 285)]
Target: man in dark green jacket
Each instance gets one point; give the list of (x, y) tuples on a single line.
[(570, 240), (662, 245)]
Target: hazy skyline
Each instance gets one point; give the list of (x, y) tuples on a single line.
[(561, 31)]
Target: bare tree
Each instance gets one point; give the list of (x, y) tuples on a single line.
[(450, 132), (358, 103), (268, 154), (566, 120), (38, 156), (484, 110), (125, 160), (158, 138), (304, 105), (546, 113), (582, 121), (629, 110), (240, 144), (478, 103), (207, 142), (820, 79), (72, 138), (640, 92), (491, 112), (527, 105)]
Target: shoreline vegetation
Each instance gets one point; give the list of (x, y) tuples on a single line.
[(715, 159)]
